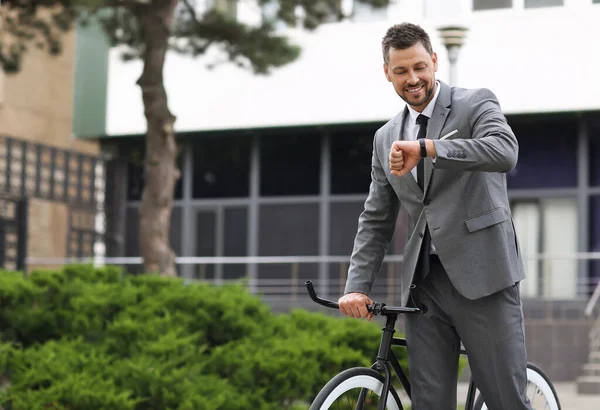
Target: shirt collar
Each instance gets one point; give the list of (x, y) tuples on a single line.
[(428, 111)]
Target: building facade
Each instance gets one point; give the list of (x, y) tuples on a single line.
[(49, 180), (278, 166)]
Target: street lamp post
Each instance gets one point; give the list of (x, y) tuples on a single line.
[(453, 37)]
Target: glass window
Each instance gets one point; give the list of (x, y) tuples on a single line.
[(343, 226), (594, 235), (230, 242), (594, 150), (548, 226), (206, 241), (351, 163), (221, 167), (547, 154), (235, 241), (491, 4), (290, 164), (529, 4), (288, 230)]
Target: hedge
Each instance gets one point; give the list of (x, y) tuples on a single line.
[(85, 338)]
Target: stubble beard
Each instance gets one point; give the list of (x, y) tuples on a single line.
[(428, 93)]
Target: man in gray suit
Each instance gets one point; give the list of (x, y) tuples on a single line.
[(444, 159)]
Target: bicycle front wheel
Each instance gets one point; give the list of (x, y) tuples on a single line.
[(358, 388), (540, 391)]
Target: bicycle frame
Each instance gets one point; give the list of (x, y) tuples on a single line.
[(387, 358)]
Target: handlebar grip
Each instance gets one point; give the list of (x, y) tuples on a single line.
[(314, 297)]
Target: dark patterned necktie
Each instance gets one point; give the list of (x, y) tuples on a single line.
[(422, 121), (423, 264)]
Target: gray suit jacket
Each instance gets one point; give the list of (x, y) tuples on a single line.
[(465, 203)]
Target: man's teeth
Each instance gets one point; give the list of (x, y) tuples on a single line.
[(412, 90)]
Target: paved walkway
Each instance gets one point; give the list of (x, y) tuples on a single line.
[(567, 394), (570, 400)]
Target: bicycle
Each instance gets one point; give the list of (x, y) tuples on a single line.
[(378, 378)]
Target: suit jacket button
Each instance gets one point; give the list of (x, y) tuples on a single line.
[(420, 235), (426, 202)]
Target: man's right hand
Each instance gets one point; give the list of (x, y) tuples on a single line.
[(355, 305)]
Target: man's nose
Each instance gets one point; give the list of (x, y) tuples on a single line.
[(412, 78)]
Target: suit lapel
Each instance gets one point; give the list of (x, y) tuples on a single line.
[(436, 123)]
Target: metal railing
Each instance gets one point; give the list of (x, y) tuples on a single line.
[(549, 276), (278, 279), (595, 328)]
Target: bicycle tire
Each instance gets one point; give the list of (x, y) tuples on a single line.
[(538, 377), (356, 377)]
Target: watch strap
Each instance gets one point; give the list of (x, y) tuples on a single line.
[(423, 147)]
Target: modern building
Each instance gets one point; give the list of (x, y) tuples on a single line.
[(49, 180), (278, 166)]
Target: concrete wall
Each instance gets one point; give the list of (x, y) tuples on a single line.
[(535, 60), (557, 338)]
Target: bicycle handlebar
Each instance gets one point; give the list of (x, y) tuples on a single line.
[(375, 308)]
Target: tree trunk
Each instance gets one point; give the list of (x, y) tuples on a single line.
[(160, 167)]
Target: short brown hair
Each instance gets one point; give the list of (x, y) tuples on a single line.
[(402, 36)]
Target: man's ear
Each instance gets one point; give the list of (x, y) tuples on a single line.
[(434, 58), (387, 72)]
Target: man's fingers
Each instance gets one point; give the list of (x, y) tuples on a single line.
[(355, 305), (396, 159), (396, 146), (364, 312)]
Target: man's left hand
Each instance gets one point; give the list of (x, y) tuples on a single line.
[(404, 156)]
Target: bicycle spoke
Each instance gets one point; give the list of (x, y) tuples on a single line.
[(356, 399), (536, 397)]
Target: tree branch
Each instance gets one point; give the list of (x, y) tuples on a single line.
[(192, 11)]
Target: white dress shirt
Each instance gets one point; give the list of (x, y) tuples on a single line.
[(411, 131), (411, 128)]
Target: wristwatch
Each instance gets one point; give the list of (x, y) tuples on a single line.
[(423, 147)]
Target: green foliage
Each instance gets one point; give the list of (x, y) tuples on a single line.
[(85, 338)]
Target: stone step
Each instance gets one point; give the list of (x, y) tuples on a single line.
[(591, 369), (588, 385)]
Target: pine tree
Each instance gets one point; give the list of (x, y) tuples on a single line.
[(149, 28)]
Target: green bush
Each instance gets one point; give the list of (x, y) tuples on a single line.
[(90, 339)]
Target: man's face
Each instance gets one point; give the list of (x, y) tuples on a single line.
[(412, 72)]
